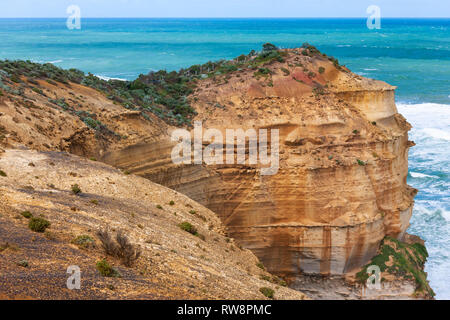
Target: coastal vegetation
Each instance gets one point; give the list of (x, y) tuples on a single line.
[(403, 260), (106, 269), (186, 226), (26, 214), (83, 241), (267, 292), (76, 189), (38, 224), (162, 93)]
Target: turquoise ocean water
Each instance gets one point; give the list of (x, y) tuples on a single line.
[(413, 54)]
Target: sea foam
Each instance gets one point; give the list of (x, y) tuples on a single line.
[(429, 165)]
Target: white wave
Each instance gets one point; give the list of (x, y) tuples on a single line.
[(431, 208), (55, 61), (446, 215), (421, 175), (437, 133), (108, 78), (421, 107), (370, 69), (426, 116)]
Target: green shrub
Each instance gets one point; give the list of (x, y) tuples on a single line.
[(15, 79), (268, 47), (172, 203), (282, 283), (158, 206), (38, 224), (311, 74), (360, 162), (106, 269), (186, 226), (274, 280), (318, 91), (23, 263), (83, 241), (2, 173), (269, 293), (76, 189), (26, 214), (37, 90), (260, 265), (241, 58), (266, 278), (262, 72), (321, 70), (285, 71)]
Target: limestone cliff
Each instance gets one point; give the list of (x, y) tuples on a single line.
[(341, 186), (343, 156)]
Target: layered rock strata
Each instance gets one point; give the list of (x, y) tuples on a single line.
[(343, 161)]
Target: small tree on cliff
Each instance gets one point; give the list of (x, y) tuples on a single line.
[(268, 47)]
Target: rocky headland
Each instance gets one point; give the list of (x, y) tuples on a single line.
[(338, 202)]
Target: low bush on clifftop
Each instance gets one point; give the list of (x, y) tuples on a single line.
[(165, 94)]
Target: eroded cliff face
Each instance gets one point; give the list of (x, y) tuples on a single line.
[(343, 160), (341, 185)]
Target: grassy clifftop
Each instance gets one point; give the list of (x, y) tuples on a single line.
[(402, 260), (165, 94)]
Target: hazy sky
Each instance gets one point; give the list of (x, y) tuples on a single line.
[(225, 8)]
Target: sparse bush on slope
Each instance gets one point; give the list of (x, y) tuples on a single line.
[(120, 247)]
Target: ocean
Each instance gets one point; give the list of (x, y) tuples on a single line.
[(412, 54)]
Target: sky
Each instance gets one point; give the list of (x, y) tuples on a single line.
[(224, 8)]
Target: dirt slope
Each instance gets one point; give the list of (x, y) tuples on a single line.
[(174, 263)]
